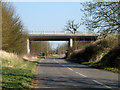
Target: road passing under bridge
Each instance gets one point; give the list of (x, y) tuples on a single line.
[(48, 36), (60, 73)]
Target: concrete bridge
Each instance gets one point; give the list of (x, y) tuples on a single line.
[(46, 36)]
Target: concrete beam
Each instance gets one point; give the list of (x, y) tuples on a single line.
[(71, 42), (62, 37), (28, 46)]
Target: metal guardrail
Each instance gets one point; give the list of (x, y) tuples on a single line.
[(61, 32)]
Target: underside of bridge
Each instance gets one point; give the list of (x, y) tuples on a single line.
[(62, 37), (69, 38)]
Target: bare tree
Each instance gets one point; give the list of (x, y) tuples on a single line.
[(72, 27), (102, 17)]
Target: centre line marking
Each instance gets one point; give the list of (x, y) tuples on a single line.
[(72, 70), (80, 74), (56, 61), (86, 76), (69, 68), (102, 84)]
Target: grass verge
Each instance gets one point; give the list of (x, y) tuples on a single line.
[(96, 64), (17, 72), (100, 66)]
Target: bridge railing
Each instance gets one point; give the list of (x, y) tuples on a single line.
[(60, 32)]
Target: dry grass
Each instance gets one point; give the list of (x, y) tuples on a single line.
[(10, 56), (13, 60), (30, 58), (17, 72)]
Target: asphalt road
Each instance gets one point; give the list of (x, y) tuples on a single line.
[(59, 73)]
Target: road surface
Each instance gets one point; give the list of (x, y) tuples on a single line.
[(60, 73)]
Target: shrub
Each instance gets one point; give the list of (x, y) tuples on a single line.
[(104, 51), (13, 37), (112, 58), (104, 43)]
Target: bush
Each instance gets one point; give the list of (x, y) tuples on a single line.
[(104, 43), (92, 52), (13, 37), (112, 59), (105, 51)]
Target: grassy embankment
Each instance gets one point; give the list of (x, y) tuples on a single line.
[(103, 54), (17, 72)]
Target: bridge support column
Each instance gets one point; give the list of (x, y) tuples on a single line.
[(71, 42), (28, 46)]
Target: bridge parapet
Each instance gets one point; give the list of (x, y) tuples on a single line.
[(61, 32)]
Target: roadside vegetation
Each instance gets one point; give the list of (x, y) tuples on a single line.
[(40, 46), (101, 18), (61, 49), (13, 36), (17, 72), (103, 54)]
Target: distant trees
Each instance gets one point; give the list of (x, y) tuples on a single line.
[(40, 46), (103, 17), (13, 37), (61, 49)]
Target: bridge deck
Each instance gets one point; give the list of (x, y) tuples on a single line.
[(61, 37)]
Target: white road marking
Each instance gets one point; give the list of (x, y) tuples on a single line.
[(63, 65), (80, 74), (85, 76), (57, 62), (69, 68), (102, 84)]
